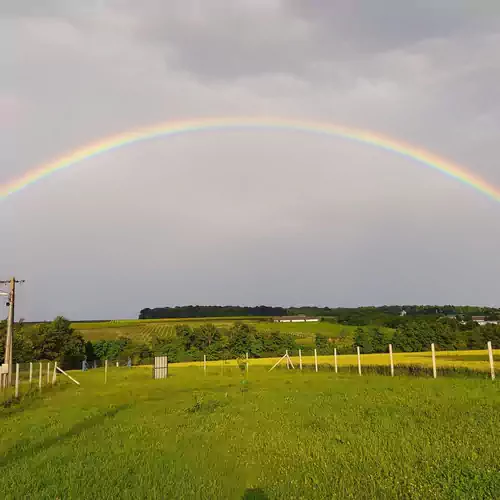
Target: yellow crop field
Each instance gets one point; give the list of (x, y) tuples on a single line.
[(472, 360)]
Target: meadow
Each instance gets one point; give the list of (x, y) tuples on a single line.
[(283, 434)]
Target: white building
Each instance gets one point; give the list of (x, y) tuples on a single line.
[(481, 321), (296, 319)]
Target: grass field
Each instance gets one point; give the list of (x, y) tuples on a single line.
[(143, 329), (284, 434)]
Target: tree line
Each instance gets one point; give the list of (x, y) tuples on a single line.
[(57, 340), (210, 311), (187, 343), (418, 335), (389, 316)]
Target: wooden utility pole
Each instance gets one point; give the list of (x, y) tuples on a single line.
[(10, 329)]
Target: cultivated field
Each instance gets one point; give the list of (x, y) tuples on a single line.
[(143, 329), (284, 434), (468, 361)]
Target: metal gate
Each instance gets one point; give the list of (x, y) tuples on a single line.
[(160, 369)]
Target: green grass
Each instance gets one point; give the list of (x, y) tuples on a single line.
[(332, 329), (284, 434)]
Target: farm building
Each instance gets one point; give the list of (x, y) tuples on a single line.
[(481, 320), (296, 319)]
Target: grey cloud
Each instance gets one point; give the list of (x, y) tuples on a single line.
[(369, 26), (247, 216), (228, 39)]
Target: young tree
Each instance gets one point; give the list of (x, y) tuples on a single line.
[(363, 339), (321, 342), (241, 337)]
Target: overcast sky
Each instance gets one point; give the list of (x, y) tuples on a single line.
[(248, 217)]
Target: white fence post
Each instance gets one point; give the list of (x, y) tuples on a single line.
[(335, 360), (300, 358), (490, 355), (278, 362), (316, 359), (391, 360), (287, 360), (40, 377), (17, 380), (54, 374), (48, 373), (31, 373), (359, 359), (69, 376), (434, 371)]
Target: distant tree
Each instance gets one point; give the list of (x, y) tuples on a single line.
[(57, 340), (321, 342), (363, 339), (379, 339), (241, 336), (205, 335)]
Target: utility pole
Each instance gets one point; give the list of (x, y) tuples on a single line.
[(10, 329)]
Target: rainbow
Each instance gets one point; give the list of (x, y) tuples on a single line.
[(219, 124)]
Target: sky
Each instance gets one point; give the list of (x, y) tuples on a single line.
[(248, 217)]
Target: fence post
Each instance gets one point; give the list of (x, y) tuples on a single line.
[(300, 359), (205, 363), (17, 380), (106, 371), (31, 373), (434, 371), (335, 360), (69, 376), (40, 378), (391, 360), (48, 373), (166, 366), (287, 360), (316, 359), (247, 363), (359, 359), (55, 372), (490, 355)]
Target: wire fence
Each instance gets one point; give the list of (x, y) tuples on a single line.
[(29, 379)]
